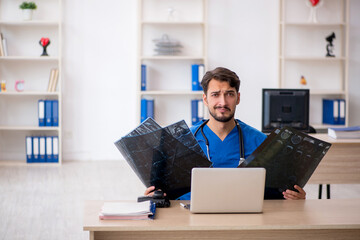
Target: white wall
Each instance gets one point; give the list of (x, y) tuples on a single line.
[(99, 73), (243, 36), (99, 66), (354, 64)]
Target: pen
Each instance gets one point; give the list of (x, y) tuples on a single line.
[(186, 206)]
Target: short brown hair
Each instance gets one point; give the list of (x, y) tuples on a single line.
[(221, 74)]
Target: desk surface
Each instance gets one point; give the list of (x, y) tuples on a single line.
[(325, 137), (277, 215), (341, 165)]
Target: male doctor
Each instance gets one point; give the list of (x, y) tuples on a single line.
[(221, 131)]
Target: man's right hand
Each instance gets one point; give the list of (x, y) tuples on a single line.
[(149, 191)]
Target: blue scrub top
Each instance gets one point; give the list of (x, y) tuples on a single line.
[(226, 153)]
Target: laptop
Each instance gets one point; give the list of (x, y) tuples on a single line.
[(227, 190)]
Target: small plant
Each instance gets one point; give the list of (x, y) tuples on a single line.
[(28, 5)]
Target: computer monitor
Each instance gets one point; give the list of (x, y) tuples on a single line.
[(285, 107)]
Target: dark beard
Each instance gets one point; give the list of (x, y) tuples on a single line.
[(222, 119)]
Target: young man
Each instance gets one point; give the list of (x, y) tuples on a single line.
[(221, 131)]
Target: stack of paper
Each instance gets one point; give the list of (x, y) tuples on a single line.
[(347, 132), (127, 211)]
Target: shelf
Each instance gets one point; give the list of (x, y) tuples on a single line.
[(27, 128), (184, 92), (327, 92), (302, 52), (28, 93), (299, 24), (308, 58), (171, 23), (19, 110), (172, 58), (32, 23), (24, 163), (28, 58), (169, 78)]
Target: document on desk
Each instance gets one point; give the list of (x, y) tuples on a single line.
[(289, 156), (127, 211), (163, 157)]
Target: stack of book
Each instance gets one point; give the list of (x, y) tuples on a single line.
[(3, 46), (127, 211), (53, 80), (343, 133)]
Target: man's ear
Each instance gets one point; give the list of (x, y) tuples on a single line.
[(238, 98), (205, 99)]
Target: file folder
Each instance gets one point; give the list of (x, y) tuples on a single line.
[(49, 151), (41, 113), (201, 75), (29, 150), (195, 77), (143, 111), (194, 111), (143, 77), (48, 113), (334, 111), (342, 110), (42, 157), (55, 141), (150, 108), (55, 113), (36, 146), (200, 110)]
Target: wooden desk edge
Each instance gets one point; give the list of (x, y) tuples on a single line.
[(222, 228), (350, 205)]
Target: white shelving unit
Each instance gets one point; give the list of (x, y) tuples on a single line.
[(19, 110), (303, 52), (169, 77)]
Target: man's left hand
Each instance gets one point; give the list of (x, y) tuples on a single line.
[(293, 195)]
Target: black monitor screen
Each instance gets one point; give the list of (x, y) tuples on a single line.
[(285, 107)]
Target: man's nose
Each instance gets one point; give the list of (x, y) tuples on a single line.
[(222, 99)]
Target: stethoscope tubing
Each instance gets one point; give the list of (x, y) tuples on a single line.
[(241, 140)]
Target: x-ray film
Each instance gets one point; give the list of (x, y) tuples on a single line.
[(289, 156), (163, 157)]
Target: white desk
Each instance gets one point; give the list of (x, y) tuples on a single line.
[(281, 219), (341, 165)]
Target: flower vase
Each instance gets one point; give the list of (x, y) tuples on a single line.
[(27, 14)]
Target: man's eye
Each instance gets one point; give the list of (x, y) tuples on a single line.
[(215, 94)]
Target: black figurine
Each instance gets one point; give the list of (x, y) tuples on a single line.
[(44, 42), (330, 46)]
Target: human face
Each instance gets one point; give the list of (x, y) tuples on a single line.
[(221, 99)]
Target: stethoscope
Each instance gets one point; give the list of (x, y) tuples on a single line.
[(241, 141)]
